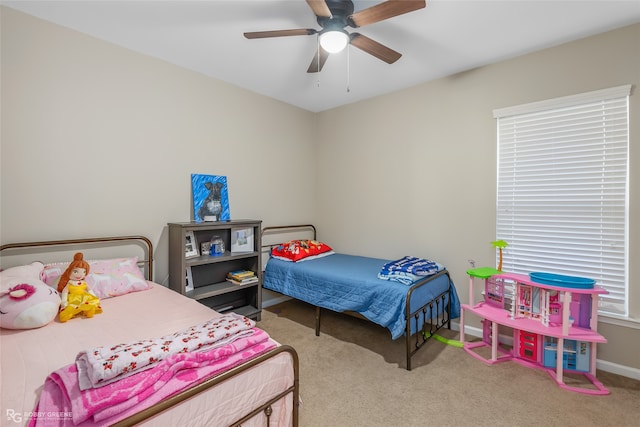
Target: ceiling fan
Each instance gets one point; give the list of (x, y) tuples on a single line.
[(333, 16)]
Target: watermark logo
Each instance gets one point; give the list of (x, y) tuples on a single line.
[(14, 416), (19, 417)]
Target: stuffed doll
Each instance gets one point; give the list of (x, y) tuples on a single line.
[(77, 298), (26, 302)]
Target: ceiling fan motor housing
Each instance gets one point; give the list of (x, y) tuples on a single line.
[(340, 10)]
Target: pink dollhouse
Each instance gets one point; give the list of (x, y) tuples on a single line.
[(553, 318)]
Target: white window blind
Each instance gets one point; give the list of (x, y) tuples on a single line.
[(562, 189)]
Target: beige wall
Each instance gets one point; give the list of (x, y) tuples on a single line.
[(414, 172), (98, 140)]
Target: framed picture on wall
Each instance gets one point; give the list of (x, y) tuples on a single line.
[(210, 198), (190, 245)]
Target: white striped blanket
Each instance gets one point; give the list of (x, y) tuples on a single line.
[(408, 269)]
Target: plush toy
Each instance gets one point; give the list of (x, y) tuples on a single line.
[(77, 298), (26, 302)]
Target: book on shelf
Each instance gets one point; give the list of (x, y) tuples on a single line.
[(242, 277), (246, 281), (241, 274)]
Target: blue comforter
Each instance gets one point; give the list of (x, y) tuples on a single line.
[(342, 282)]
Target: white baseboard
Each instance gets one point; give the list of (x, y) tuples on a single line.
[(614, 368), (274, 301)]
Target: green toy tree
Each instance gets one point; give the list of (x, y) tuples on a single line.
[(500, 244)]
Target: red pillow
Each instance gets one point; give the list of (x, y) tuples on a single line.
[(296, 250)]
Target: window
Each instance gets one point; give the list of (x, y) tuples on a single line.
[(562, 197)]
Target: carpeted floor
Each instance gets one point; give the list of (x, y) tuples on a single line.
[(353, 375)]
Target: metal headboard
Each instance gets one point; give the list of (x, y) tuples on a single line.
[(147, 245), (293, 228), (276, 229)]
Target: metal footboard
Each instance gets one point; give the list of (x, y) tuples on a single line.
[(266, 408), (434, 316)]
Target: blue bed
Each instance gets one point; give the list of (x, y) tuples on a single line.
[(349, 283)]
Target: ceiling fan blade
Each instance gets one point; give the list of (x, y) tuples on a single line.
[(321, 56), (374, 48), (320, 8), (385, 10), (280, 33)]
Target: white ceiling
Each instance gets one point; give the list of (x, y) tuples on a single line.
[(446, 37)]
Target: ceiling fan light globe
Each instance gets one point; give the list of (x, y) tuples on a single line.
[(334, 41)]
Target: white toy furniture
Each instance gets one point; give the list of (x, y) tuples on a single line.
[(554, 320)]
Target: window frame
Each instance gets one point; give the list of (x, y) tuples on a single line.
[(555, 107)]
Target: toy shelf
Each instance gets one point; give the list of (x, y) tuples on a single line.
[(554, 327)]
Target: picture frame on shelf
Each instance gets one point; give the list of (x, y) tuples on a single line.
[(190, 245), (205, 248), (188, 280), (242, 240)]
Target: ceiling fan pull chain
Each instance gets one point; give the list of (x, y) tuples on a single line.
[(348, 69), (318, 59)]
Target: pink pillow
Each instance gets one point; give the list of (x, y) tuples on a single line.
[(107, 278)]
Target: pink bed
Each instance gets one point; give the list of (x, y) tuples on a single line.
[(29, 356)]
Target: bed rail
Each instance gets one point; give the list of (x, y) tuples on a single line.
[(147, 246), (284, 228), (211, 382)]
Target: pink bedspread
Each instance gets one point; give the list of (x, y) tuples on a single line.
[(106, 364), (62, 403)]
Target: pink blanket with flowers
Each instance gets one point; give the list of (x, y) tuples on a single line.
[(104, 365), (62, 403)]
